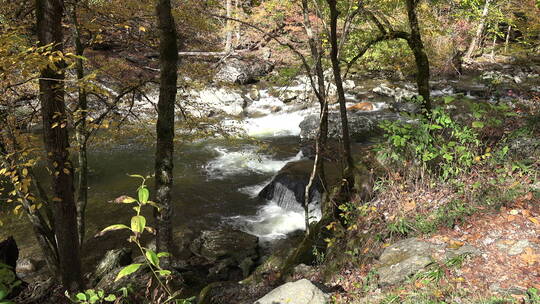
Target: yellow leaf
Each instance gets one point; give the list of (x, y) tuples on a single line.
[(409, 206), (455, 244), (142, 29), (529, 256)]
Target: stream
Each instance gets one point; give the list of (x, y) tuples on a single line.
[(216, 181)]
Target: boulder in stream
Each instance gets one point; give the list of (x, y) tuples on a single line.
[(229, 254), (362, 125), (243, 71)]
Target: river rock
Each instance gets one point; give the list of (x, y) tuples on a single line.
[(226, 243), (362, 125), (299, 292), (228, 254), (213, 101), (288, 186), (243, 71), (398, 93)]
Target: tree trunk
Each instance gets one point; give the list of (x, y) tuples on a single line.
[(475, 42), (168, 50), (347, 155), (507, 40), (49, 26), (420, 56), (81, 134), (322, 132), (228, 26)]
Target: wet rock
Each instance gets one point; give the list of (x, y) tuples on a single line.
[(227, 243), (243, 71), (397, 93), (299, 292), (226, 254), (362, 125), (288, 187), (112, 259)]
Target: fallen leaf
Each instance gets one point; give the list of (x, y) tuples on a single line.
[(534, 220), (529, 256), (409, 206), (455, 244)]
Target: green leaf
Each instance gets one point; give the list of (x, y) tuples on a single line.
[(164, 273), (110, 298), (449, 99), (81, 296), (127, 271), (138, 223), (477, 124), (3, 293), (163, 254), (144, 194), (152, 257), (114, 227)]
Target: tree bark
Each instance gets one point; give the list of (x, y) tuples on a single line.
[(475, 42), (49, 26), (228, 26), (81, 133), (334, 57), (420, 56), (168, 50), (322, 132)]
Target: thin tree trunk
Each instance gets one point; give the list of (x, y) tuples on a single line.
[(81, 134), (420, 56), (479, 32), (493, 44), (168, 49), (228, 29), (322, 132), (507, 40), (49, 26), (238, 27), (334, 57)]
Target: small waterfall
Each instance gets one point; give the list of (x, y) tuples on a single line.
[(288, 187), (283, 212)]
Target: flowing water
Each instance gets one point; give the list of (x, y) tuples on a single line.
[(216, 183)]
